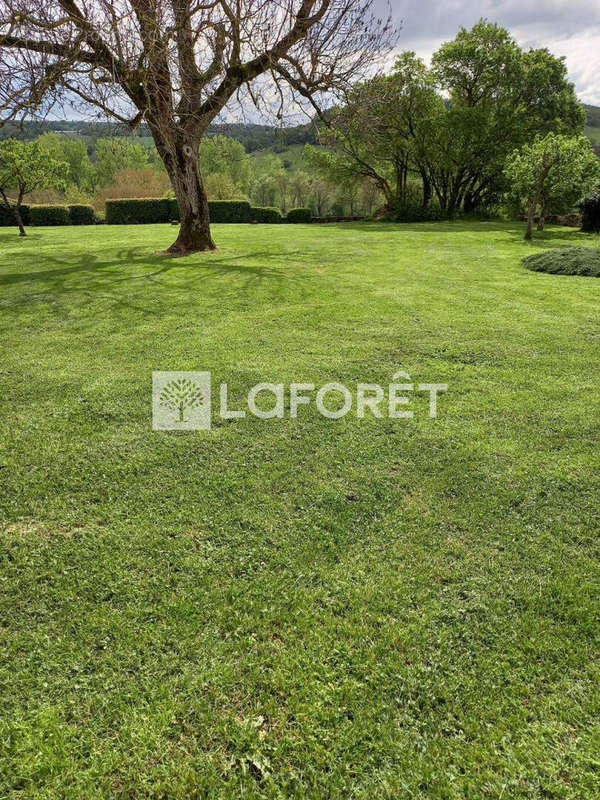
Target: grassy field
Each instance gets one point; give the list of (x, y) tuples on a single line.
[(299, 608)]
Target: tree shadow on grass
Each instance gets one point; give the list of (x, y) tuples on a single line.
[(555, 237), (397, 228), (129, 269), (552, 236)]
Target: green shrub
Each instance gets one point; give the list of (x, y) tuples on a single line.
[(566, 261), (49, 215), (229, 211), (299, 215), (138, 211), (168, 211), (7, 219), (82, 215), (590, 209), (265, 215)]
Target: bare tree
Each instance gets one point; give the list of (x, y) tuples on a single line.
[(175, 64)]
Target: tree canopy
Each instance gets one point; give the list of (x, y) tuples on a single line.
[(552, 168), (24, 167), (454, 125)]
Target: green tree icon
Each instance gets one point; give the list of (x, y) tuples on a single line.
[(180, 394)]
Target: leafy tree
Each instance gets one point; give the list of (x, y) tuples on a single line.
[(376, 135), (282, 181), (454, 125), (299, 188), (115, 155), (222, 187), (73, 151), (499, 98), (370, 197), (320, 197), (552, 167), (264, 189), (24, 167), (220, 155)]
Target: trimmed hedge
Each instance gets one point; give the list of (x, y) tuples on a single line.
[(266, 216), (49, 215), (229, 211), (137, 212), (7, 219), (149, 210), (590, 209), (299, 215), (82, 215), (173, 210), (220, 211)]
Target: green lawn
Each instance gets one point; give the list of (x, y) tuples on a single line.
[(299, 608)]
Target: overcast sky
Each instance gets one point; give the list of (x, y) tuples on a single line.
[(568, 28)]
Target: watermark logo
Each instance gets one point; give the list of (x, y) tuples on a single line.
[(182, 400)]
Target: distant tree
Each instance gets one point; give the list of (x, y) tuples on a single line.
[(115, 155), (24, 167), (299, 188), (71, 149), (283, 182), (369, 196), (222, 187), (176, 64), (224, 156), (347, 195), (320, 196), (551, 167), (264, 189)]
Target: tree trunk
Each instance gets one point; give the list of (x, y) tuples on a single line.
[(179, 152), (530, 216), (426, 190), (194, 231), (19, 220), (15, 210), (542, 219)]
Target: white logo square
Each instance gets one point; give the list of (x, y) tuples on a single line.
[(181, 401)]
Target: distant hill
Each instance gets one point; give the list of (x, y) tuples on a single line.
[(255, 138), (592, 127)]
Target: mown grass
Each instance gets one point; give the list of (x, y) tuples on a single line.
[(299, 608)]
